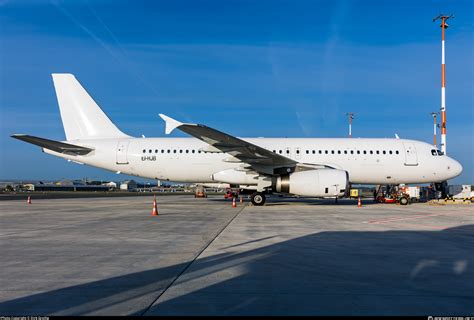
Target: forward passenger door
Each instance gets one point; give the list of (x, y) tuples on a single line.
[(411, 159)]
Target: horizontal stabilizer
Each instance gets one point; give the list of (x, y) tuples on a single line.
[(56, 146)]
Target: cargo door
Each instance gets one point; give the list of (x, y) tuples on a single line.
[(122, 150), (411, 158)]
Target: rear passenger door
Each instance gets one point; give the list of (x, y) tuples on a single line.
[(122, 151)]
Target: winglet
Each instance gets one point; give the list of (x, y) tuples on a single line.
[(171, 124)]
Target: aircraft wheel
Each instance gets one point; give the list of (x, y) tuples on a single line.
[(403, 201), (257, 199)]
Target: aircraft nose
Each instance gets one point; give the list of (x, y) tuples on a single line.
[(454, 167)]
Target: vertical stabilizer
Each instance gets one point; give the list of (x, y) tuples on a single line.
[(82, 117)]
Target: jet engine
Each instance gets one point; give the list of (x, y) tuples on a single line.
[(314, 183)]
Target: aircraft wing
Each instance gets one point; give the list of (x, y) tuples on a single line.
[(260, 159), (57, 146)]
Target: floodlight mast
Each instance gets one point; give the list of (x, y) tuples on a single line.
[(350, 116), (443, 26), (435, 125)]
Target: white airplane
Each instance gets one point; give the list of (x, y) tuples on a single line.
[(298, 166)]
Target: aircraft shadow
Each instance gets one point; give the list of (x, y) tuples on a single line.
[(325, 273)]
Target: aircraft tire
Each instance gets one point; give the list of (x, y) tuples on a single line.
[(258, 199)]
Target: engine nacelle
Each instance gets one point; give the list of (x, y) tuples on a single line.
[(314, 183)]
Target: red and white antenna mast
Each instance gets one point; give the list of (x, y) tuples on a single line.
[(443, 26)]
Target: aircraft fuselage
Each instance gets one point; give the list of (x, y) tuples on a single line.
[(367, 161)]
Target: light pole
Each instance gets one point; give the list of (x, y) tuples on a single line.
[(350, 116), (435, 125)]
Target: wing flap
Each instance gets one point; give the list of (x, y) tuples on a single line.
[(53, 145)]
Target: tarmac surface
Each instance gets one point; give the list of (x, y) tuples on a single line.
[(109, 256)]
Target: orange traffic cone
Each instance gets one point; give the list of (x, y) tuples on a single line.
[(154, 212), (359, 203), (234, 205), (241, 199), (29, 200)]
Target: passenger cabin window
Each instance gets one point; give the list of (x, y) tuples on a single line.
[(377, 152), (358, 151), (325, 151), (390, 152), (352, 151), (365, 152), (371, 152), (338, 151), (384, 152), (397, 152), (332, 151), (345, 151), (297, 152), (144, 151)]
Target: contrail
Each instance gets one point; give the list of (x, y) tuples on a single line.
[(118, 58), (117, 42)]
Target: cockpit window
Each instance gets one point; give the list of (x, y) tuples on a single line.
[(437, 152)]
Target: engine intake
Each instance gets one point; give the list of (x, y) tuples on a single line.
[(314, 183)]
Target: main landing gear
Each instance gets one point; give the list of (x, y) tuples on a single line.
[(258, 199)]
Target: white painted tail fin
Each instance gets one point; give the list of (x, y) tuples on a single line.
[(82, 117)]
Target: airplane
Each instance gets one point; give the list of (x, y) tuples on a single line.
[(310, 167)]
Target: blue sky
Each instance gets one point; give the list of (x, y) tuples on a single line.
[(250, 68)]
